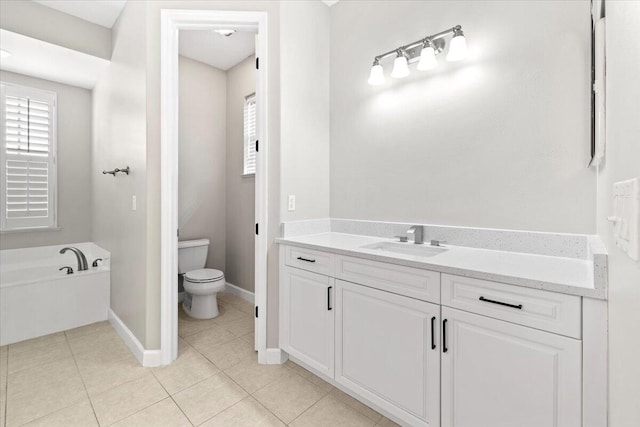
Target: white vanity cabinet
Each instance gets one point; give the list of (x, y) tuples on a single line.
[(388, 351), (496, 373), (307, 318), (430, 349)]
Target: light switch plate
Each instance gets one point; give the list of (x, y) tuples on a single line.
[(626, 216)]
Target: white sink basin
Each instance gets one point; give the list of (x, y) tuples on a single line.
[(406, 249)]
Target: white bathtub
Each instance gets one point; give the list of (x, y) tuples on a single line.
[(36, 299)]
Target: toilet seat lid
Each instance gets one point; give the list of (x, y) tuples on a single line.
[(204, 275)]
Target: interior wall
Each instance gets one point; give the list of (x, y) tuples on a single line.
[(499, 140), (119, 140), (152, 302), (305, 109), (203, 146), (74, 167), (50, 25), (239, 269), (622, 162)]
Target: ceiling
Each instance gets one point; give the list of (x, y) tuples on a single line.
[(101, 12), (37, 58), (216, 50)]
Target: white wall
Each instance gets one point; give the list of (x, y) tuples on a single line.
[(622, 162), (305, 109), (50, 25), (202, 141), (74, 167), (500, 140), (240, 189), (120, 139)]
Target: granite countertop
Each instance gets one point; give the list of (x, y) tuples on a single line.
[(574, 276)]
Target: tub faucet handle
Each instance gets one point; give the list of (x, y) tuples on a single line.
[(95, 262), (69, 269)]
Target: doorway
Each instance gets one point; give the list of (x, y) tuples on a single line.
[(174, 22)]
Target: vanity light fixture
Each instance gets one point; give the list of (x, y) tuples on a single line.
[(225, 32), (428, 59), (376, 77), (458, 46), (400, 66), (4, 54), (423, 52)]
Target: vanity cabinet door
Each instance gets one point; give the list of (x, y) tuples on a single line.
[(388, 351), (498, 374), (307, 319)]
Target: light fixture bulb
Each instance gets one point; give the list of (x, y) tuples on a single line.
[(400, 67), (457, 47), (428, 59), (4, 54), (225, 32), (376, 77)]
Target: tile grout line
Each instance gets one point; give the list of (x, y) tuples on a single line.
[(232, 380), (75, 362), (71, 404), (170, 397), (294, 372), (268, 410), (315, 403)]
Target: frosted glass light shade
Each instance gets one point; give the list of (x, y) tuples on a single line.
[(457, 49), (376, 77), (400, 67), (428, 59)]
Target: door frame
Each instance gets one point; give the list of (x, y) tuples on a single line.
[(172, 21)]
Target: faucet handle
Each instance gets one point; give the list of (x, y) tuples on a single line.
[(69, 269), (95, 262), (402, 238), (437, 242)]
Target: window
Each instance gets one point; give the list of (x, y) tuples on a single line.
[(250, 135), (27, 158)]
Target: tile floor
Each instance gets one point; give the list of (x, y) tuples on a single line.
[(87, 377)]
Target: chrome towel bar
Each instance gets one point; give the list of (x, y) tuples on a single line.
[(116, 170)]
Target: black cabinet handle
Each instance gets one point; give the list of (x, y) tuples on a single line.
[(506, 304), (306, 259), (433, 333), (444, 336), (329, 298)]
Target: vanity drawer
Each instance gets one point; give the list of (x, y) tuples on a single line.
[(308, 259), (549, 311), (412, 282)]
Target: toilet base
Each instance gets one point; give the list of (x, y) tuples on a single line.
[(201, 306)]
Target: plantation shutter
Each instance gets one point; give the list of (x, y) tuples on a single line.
[(27, 157), (250, 135)]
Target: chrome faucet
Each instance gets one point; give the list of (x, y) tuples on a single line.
[(416, 231), (82, 260)]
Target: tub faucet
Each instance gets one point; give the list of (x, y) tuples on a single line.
[(82, 260), (417, 232)]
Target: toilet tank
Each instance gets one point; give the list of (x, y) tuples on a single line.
[(192, 255)]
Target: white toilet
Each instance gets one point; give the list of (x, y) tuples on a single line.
[(201, 284)]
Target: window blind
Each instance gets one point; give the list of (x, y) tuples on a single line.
[(250, 135), (28, 152)]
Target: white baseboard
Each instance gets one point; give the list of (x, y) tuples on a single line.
[(275, 356), (239, 292), (146, 358)]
